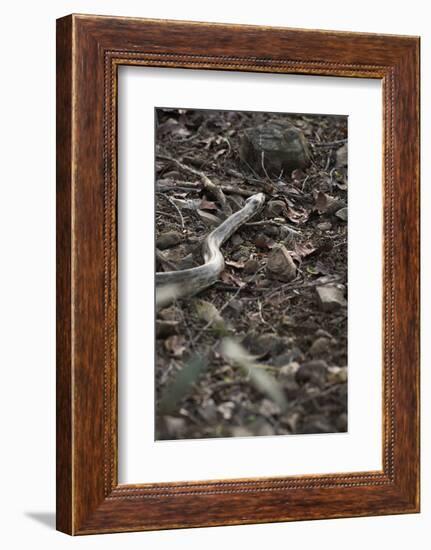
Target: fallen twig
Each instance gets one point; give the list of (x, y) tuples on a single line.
[(211, 187), (175, 206), (195, 186)]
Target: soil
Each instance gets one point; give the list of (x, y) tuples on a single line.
[(298, 342)]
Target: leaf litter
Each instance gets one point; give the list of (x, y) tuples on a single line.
[(241, 358)]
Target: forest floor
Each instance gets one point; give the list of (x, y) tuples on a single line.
[(294, 380)]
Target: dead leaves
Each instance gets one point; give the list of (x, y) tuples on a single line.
[(207, 205), (231, 279), (175, 345), (262, 380), (234, 398), (206, 311), (327, 204)]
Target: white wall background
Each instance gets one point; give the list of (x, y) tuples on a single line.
[(27, 308)]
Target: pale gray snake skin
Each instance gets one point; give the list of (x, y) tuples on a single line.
[(172, 285)]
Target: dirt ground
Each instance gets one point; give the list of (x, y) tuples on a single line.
[(294, 377)]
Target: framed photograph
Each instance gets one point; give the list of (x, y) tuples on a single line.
[(237, 274)]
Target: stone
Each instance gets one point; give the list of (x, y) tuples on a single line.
[(290, 369), (342, 214), (236, 240), (236, 305), (260, 426), (341, 422), (276, 209), (341, 156), (251, 266), (264, 344), (316, 424), (175, 426), (168, 240), (294, 354), (280, 265), (271, 230), (330, 298), (326, 204), (206, 311), (337, 375), (268, 407), (312, 371), (321, 332), (324, 226), (288, 235), (274, 150), (226, 409), (208, 411), (319, 346), (240, 431), (166, 328)]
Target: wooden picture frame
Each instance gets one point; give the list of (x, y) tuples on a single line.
[(89, 52)]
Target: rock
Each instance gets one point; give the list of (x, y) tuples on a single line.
[(342, 214), (171, 313), (173, 128), (271, 230), (263, 242), (341, 422), (290, 369), (337, 375), (287, 234), (287, 378), (168, 240), (313, 371), (316, 424), (236, 305), (276, 209), (280, 265), (326, 204), (166, 328), (208, 218), (319, 347), (341, 156), (206, 311), (264, 344), (239, 255), (270, 149), (175, 426), (291, 420), (236, 240), (261, 427), (295, 354), (330, 298), (175, 345), (208, 411), (226, 409), (240, 431), (320, 332), (324, 226), (251, 266), (268, 407)]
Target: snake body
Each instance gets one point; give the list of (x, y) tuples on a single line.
[(172, 285)]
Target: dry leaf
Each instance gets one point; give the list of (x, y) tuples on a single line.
[(207, 205), (264, 242), (175, 345), (302, 250), (297, 216), (233, 263), (230, 278)]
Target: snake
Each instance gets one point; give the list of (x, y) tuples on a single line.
[(173, 285)]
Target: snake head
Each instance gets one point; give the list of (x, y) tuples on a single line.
[(256, 201)]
